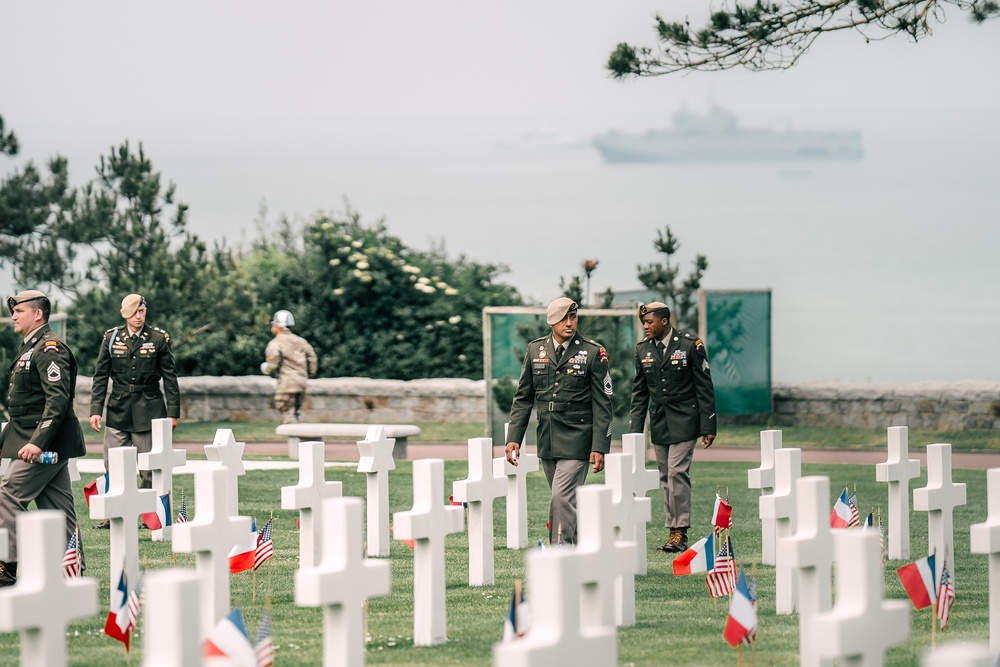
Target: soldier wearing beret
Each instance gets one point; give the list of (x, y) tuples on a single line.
[(40, 402), (673, 382), (567, 380), (135, 357)]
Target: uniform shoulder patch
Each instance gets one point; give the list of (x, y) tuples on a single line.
[(163, 333), (51, 346)]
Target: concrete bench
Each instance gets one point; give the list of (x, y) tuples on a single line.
[(318, 431)]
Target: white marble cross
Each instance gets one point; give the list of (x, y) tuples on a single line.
[(74, 470), (428, 524), (959, 653), (44, 601), (762, 478), (479, 490), (780, 507), (307, 497), (629, 514), (375, 460), (161, 459), (556, 636), (897, 471), (517, 493), (341, 583), (862, 625), (603, 560), (810, 552), (172, 629), (123, 503), (985, 539), (229, 454), (939, 499), (210, 536), (644, 480)]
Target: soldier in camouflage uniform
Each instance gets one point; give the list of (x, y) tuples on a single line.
[(674, 384), (135, 357), (566, 379), (293, 361)]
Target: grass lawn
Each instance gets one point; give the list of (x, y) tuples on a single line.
[(677, 621), (729, 435)]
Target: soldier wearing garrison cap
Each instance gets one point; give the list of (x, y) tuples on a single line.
[(673, 382), (135, 357), (567, 380), (40, 403)]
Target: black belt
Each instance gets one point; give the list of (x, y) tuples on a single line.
[(678, 399), (139, 387), (18, 410), (552, 406)]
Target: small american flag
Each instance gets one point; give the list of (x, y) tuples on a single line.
[(881, 536), (182, 516), (945, 596), (722, 579), (135, 602), (263, 646), (72, 560), (855, 519), (265, 548)]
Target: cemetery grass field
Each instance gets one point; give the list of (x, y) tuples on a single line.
[(677, 621), (729, 435)]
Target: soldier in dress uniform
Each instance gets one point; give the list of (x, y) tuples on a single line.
[(135, 357), (293, 361), (673, 382), (40, 402), (567, 380)]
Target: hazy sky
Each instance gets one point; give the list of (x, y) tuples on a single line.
[(215, 70)]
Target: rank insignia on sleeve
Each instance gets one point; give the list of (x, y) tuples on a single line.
[(53, 373), (607, 384)]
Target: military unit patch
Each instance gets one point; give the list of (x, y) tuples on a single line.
[(51, 346)]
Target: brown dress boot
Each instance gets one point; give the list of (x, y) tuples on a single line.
[(676, 536)]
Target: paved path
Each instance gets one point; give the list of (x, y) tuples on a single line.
[(348, 452)]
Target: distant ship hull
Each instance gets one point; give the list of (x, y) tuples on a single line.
[(716, 136), (732, 146)]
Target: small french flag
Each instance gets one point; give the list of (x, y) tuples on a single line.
[(700, 557), (840, 515), (161, 517), (97, 487), (918, 580)]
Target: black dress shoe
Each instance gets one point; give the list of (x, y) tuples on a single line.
[(8, 574), (104, 525)]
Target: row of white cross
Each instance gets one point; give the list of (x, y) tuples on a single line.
[(579, 593)]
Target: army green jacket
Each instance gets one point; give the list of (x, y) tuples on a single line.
[(676, 387), (572, 399), (135, 369), (40, 399)]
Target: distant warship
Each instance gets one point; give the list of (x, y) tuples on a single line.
[(717, 137)]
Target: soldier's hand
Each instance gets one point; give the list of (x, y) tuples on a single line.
[(29, 453), (707, 440), (513, 452), (95, 422), (597, 460), (173, 423)]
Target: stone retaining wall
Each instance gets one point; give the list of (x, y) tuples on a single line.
[(944, 406), (938, 406)]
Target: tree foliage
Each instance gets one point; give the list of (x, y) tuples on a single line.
[(137, 241), (374, 307), (662, 278), (8, 140), (774, 35)]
